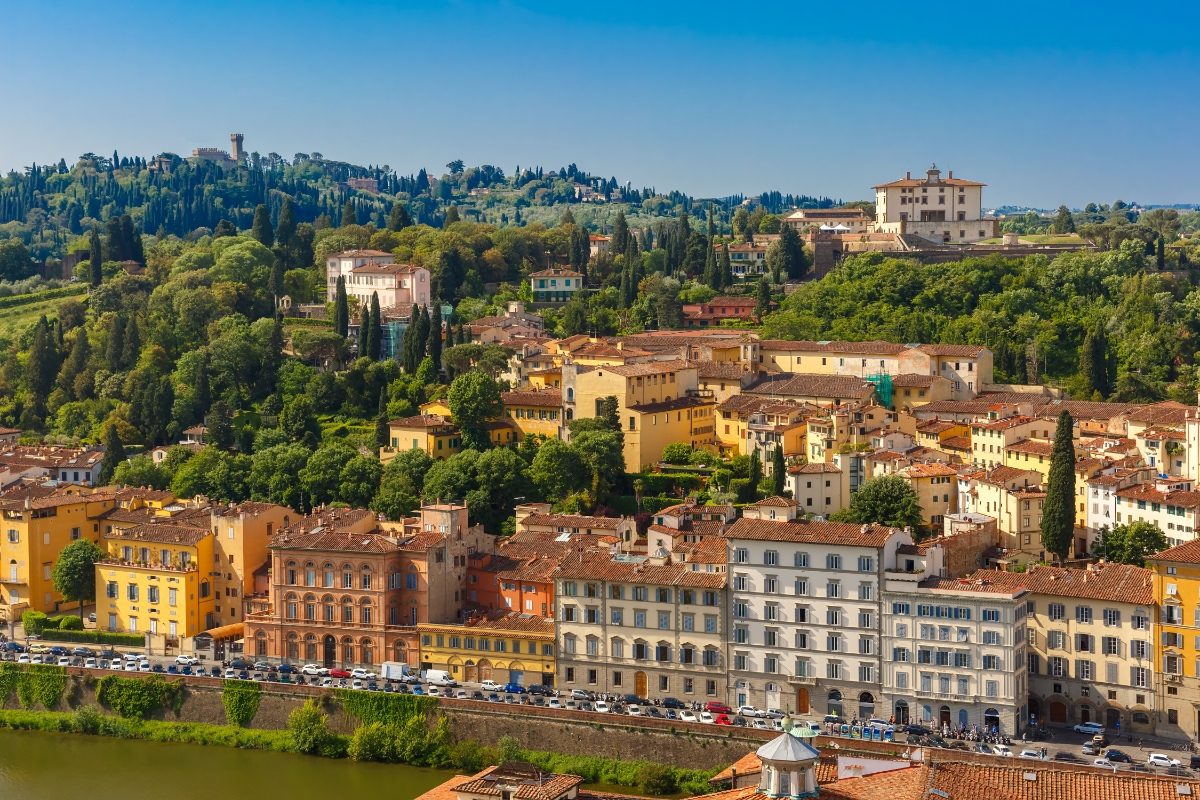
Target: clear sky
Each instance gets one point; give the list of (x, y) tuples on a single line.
[(1046, 103)]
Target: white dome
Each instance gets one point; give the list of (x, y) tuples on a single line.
[(786, 748)]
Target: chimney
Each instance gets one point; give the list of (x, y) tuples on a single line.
[(907, 176), (950, 174)]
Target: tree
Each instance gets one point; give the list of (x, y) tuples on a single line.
[(349, 215), (43, 362), (620, 235), (755, 474), (887, 500), (763, 305), (299, 421), (364, 332), (381, 420), (795, 263), (1132, 543), (677, 453), (558, 470), (610, 412), (1058, 510), (726, 268), (133, 344), (1063, 221), (285, 235), (261, 228), (434, 346), (399, 218), (114, 454), (275, 474), (219, 426), (1160, 253), (778, 471), (74, 573), (141, 471), (452, 216), (322, 474), (375, 329), (474, 401), (1095, 364), (97, 257), (341, 309)]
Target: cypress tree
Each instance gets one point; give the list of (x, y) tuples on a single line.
[(381, 420), (764, 298), (96, 257), (77, 362), (43, 362), (375, 333), (435, 339), (114, 454), (285, 232), (755, 475), (1058, 510), (412, 350), (133, 344), (399, 218), (349, 216), (261, 229), (452, 216), (726, 267), (202, 394), (620, 235), (1094, 361), (341, 309), (778, 470), (1160, 253), (220, 426), (364, 332), (116, 343), (272, 359)]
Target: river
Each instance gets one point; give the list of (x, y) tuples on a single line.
[(43, 766)]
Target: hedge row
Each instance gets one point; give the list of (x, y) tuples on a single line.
[(37, 297), (95, 637)]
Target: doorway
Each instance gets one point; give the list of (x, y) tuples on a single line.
[(329, 650), (944, 716), (802, 700), (639, 684), (1085, 714), (1112, 719), (901, 711), (1058, 712)]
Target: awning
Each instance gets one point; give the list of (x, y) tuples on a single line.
[(233, 631)]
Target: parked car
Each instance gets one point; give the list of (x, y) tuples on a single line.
[(706, 717), (758, 723), (12, 647), (514, 688), (1194, 762), (490, 686), (231, 673), (581, 694), (917, 730), (633, 710), (82, 651), (1030, 752), (602, 707), (749, 711), (1002, 750), (264, 666), (1161, 760), (240, 663), (539, 689), (39, 648), (1068, 757), (672, 702), (340, 673), (717, 707), (313, 669), (686, 716), (723, 719), (1090, 728), (186, 661), (1103, 762), (553, 702), (89, 663), (1090, 749), (671, 713), (363, 674), (59, 650), (1117, 756), (285, 669)]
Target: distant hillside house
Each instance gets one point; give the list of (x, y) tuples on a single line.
[(945, 210), (747, 260), (555, 285), (702, 315), (840, 220), (368, 272)]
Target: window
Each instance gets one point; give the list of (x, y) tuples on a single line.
[(741, 555), (866, 564), (771, 557), (833, 561), (152, 594), (800, 559), (991, 615), (1112, 617), (1057, 611), (833, 589), (991, 662), (866, 591), (1083, 614), (132, 591)]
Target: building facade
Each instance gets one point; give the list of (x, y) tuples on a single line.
[(945, 210)]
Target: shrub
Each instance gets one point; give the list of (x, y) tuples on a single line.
[(70, 622), (95, 637), (34, 622), (34, 683), (135, 698), (657, 779), (88, 720), (387, 709), (240, 699), (374, 742), (308, 728)]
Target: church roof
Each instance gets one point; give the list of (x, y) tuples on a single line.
[(786, 747)]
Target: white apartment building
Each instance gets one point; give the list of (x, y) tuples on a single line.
[(954, 649), (369, 272), (945, 210), (819, 488), (641, 625), (1169, 503), (805, 617)]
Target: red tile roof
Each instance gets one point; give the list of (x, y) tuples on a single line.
[(801, 531)]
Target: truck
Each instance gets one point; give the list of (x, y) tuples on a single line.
[(397, 671), (439, 677)]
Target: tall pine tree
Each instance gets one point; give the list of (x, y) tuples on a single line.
[(726, 267), (1058, 509), (97, 257), (375, 333), (364, 332), (114, 454), (349, 215), (778, 470), (434, 347), (399, 218), (1094, 361), (341, 309), (261, 228), (381, 420)]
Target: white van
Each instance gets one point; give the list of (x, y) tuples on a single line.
[(439, 677)]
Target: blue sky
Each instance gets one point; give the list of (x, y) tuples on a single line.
[(1058, 102)]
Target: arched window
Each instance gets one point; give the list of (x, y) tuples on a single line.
[(364, 613), (290, 573), (293, 646), (366, 576), (616, 647), (399, 653), (570, 394), (347, 609), (347, 576), (310, 574), (260, 644), (347, 650), (310, 647), (327, 576), (367, 648), (290, 607), (327, 608), (310, 608)]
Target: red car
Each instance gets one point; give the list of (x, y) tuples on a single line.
[(717, 708), (723, 720), (339, 673)]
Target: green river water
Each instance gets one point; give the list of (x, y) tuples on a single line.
[(43, 766)]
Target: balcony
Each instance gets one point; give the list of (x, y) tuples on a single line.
[(802, 680)]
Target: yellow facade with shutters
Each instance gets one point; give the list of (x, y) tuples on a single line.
[(158, 583), (1176, 657)]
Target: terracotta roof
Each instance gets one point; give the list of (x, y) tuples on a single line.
[(901, 784), (933, 469), (360, 254), (422, 421), (936, 426), (1158, 432), (162, 533), (818, 468), (963, 350), (548, 398), (803, 385), (1146, 491), (245, 507), (1118, 583), (1186, 553), (912, 380), (729, 370), (870, 347), (1035, 447), (915, 182), (709, 550), (512, 621), (1168, 412), (977, 582), (649, 368), (576, 521), (775, 502), (600, 565), (1001, 424), (675, 404), (962, 780), (956, 443), (385, 269), (555, 272), (826, 213), (800, 531)]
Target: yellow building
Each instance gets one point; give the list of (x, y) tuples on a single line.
[(1177, 680), (1014, 498), (241, 532), (503, 646), (934, 433), (38, 523), (658, 403), (157, 579), (1031, 454), (844, 431), (434, 434), (535, 412), (936, 486)]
